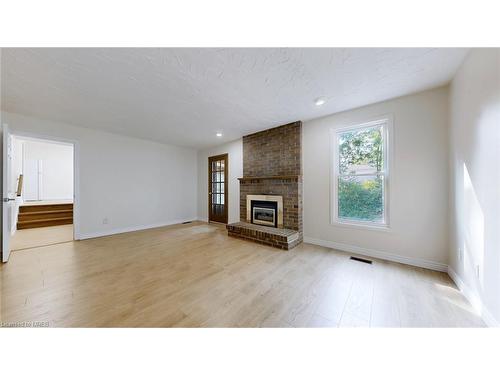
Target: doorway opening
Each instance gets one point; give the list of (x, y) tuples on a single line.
[(42, 183), (217, 188)]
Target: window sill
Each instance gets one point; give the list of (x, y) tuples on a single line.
[(362, 226)]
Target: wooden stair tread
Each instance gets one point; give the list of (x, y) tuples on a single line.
[(42, 220), (46, 207), (44, 215), (34, 204), (30, 225), (44, 212)]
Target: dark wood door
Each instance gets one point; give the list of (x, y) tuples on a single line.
[(217, 188)]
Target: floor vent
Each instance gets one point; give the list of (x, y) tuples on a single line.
[(361, 260), (186, 222)]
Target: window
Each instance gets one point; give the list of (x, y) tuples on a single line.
[(360, 174)]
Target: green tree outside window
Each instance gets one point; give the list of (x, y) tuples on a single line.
[(361, 181)]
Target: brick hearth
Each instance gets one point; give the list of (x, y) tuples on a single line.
[(285, 239)]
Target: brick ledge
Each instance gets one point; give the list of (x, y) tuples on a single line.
[(277, 237)]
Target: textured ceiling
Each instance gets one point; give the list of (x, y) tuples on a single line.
[(184, 96)]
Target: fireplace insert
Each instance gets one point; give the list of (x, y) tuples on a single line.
[(264, 213)]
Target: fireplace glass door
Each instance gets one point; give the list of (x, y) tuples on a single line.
[(217, 188), (264, 213)]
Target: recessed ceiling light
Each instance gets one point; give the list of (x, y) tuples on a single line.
[(320, 101), (219, 134)]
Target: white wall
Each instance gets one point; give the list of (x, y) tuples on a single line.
[(56, 168), (475, 180), (419, 195), (17, 163), (235, 155), (131, 182)]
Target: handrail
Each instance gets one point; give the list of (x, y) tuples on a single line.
[(20, 185)]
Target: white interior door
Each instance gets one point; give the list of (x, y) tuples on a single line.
[(8, 196)]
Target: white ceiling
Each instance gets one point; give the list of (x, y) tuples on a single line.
[(184, 96)]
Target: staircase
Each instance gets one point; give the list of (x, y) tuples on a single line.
[(44, 215)]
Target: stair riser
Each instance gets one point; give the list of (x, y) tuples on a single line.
[(28, 225), (48, 207), (54, 215)]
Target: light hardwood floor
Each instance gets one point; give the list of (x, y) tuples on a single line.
[(194, 275), (37, 237)]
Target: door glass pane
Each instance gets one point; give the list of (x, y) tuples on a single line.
[(217, 187), (361, 198)]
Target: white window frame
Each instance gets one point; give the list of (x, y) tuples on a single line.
[(387, 129)]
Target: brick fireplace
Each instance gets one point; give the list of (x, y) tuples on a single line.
[(272, 167)]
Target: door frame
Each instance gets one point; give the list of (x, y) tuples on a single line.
[(76, 171), (6, 146), (226, 187)]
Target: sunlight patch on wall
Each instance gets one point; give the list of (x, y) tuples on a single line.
[(473, 231)]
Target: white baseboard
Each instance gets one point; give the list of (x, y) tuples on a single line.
[(474, 299), (110, 232), (429, 264)]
